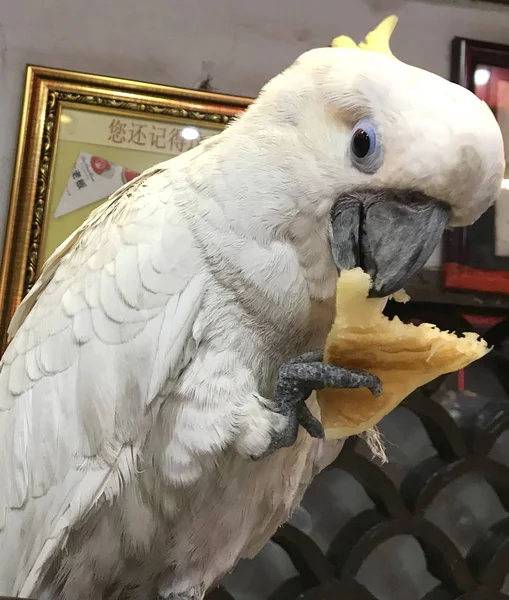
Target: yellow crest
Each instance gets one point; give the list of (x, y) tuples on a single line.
[(377, 40)]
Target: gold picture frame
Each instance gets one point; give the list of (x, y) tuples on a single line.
[(63, 109)]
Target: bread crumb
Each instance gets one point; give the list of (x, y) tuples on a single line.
[(400, 296)]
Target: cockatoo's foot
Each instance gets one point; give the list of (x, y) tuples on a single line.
[(296, 380)]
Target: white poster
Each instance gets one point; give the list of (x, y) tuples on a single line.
[(92, 179)]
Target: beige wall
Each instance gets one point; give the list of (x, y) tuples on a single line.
[(245, 42)]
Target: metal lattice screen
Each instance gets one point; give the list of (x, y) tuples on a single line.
[(432, 524)]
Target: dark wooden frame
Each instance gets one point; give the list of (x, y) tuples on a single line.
[(466, 55)]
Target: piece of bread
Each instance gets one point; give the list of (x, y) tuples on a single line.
[(403, 356)]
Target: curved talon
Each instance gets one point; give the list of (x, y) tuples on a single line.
[(310, 423), (371, 382)]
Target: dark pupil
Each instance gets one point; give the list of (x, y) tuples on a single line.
[(360, 143)]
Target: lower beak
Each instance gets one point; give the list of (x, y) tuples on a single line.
[(390, 234)]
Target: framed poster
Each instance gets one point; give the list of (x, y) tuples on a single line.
[(477, 257), (81, 138)]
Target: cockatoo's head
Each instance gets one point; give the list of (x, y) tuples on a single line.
[(391, 154)]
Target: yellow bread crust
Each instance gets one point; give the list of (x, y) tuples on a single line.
[(403, 356)]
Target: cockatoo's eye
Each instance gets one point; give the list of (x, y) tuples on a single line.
[(365, 149), (361, 143)]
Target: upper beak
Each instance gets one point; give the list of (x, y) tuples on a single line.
[(390, 234)]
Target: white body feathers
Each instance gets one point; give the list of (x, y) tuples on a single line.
[(99, 424)]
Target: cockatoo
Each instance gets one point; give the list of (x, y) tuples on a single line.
[(157, 421)]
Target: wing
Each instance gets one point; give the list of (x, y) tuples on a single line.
[(101, 337)]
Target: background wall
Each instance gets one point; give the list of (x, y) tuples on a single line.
[(241, 43)]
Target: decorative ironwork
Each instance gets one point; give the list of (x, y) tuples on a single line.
[(431, 524)]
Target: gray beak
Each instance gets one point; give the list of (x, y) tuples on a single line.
[(390, 234)]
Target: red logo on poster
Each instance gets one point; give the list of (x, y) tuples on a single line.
[(99, 165), (128, 175)]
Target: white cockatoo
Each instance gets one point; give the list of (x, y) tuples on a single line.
[(151, 396)]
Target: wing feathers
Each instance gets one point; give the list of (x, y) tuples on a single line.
[(107, 328)]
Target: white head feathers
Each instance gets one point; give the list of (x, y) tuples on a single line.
[(438, 138)]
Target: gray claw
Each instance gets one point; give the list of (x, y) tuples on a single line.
[(310, 423), (303, 378), (297, 379)]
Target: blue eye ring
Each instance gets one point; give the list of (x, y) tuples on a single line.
[(366, 151)]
